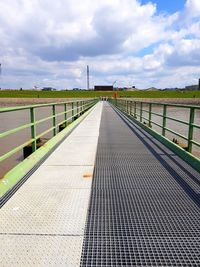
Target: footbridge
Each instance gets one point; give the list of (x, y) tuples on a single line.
[(107, 190)]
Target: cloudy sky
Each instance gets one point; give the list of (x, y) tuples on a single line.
[(132, 42)]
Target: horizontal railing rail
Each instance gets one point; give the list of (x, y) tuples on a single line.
[(72, 110), (138, 110)]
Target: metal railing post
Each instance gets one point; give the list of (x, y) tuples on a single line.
[(150, 110), (33, 129), (77, 108), (54, 119), (191, 128), (140, 111), (65, 115), (164, 119), (83, 107), (72, 108), (135, 105), (33, 122)]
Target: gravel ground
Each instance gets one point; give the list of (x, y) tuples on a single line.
[(8, 102), (187, 101)]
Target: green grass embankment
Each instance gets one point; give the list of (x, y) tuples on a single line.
[(87, 94)]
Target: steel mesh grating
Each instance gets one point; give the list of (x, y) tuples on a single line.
[(144, 206)]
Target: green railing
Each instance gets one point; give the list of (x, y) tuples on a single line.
[(71, 111), (144, 113)]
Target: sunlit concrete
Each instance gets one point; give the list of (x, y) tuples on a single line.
[(43, 223)]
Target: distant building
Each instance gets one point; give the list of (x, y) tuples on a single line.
[(103, 88), (48, 89), (152, 89), (192, 87)]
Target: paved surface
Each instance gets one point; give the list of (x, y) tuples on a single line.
[(43, 223), (145, 203), (144, 207)]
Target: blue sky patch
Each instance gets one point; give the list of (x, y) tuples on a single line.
[(167, 6)]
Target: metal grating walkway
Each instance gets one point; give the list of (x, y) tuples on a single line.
[(145, 201)]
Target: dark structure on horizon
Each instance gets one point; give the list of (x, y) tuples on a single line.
[(103, 88), (48, 89), (88, 78)]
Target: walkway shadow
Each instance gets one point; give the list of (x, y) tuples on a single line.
[(153, 142)]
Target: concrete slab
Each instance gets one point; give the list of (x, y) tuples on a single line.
[(24, 250), (73, 154), (67, 177), (45, 212), (43, 223)]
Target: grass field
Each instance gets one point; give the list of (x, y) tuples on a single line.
[(86, 94)]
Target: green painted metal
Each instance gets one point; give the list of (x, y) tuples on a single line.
[(178, 134), (150, 114), (196, 126), (131, 108), (54, 119), (81, 104), (65, 107), (12, 131), (185, 155), (164, 119), (140, 111), (176, 120), (135, 106), (33, 123), (77, 108), (195, 143), (33, 129), (15, 150), (191, 126), (72, 111), (9, 109), (17, 173)]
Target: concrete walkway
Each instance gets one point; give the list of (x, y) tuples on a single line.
[(43, 223)]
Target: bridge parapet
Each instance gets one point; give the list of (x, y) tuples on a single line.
[(161, 120)]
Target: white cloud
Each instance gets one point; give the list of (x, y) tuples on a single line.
[(192, 8), (53, 41)]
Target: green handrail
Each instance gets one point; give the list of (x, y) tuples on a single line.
[(69, 107), (138, 107)]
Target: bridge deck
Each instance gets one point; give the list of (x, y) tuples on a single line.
[(144, 207), (43, 223), (145, 203)]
